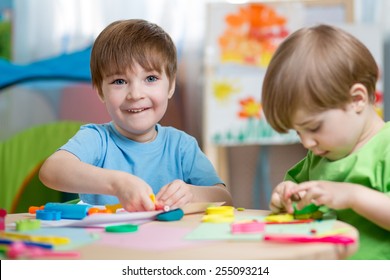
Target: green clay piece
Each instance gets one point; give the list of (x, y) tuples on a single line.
[(173, 215), (122, 228), (303, 216), (308, 209), (317, 215), (27, 224)]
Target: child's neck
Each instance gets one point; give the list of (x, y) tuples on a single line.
[(372, 126)]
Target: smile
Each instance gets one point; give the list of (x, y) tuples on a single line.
[(136, 110)]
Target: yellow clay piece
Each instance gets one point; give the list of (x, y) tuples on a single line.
[(279, 218), (215, 218)]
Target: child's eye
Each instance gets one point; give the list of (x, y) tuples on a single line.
[(315, 129), (118, 82), (151, 79)]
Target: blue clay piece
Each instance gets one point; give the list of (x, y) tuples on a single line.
[(48, 215), (69, 211), (169, 216)]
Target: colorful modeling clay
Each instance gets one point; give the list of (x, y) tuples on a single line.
[(69, 211), (48, 215), (247, 227), (278, 218), (18, 250), (28, 224), (54, 240), (113, 207), (220, 210), (122, 228), (215, 218), (173, 215), (33, 209), (27, 243), (335, 239), (95, 210), (219, 214), (307, 212), (3, 213)]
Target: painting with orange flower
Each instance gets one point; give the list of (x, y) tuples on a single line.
[(235, 114), (249, 34), (241, 40)]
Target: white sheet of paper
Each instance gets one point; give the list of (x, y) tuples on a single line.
[(102, 220), (121, 217)]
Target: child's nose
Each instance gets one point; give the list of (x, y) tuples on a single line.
[(307, 141), (133, 92)]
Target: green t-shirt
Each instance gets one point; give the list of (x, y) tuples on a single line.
[(370, 167)]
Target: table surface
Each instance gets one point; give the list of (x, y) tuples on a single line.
[(215, 249)]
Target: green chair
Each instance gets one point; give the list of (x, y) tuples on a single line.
[(21, 157)]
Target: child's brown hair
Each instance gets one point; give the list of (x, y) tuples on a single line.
[(314, 69), (125, 42)]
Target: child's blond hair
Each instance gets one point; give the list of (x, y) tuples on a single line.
[(314, 69)]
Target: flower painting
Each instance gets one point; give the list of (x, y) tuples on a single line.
[(243, 40), (252, 34)]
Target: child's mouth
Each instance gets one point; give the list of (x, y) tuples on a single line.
[(136, 110)]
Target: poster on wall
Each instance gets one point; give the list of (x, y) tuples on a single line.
[(240, 41)]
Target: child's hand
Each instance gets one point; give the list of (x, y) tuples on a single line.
[(133, 193), (332, 194), (282, 197), (175, 194)]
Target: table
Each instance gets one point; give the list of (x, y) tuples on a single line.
[(216, 249)]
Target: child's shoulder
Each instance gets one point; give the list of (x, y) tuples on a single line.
[(174, 133), (380, 142), (99, 126), (386, 128), (93, 130), (383, 134), (170, 130)]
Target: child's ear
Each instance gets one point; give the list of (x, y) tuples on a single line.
[(360, 97), (172, 89)]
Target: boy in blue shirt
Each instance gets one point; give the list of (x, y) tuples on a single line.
[(321, 83), (133, 67)]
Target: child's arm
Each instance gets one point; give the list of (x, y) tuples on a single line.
[(371, 204), (63, 171), (178, 193)]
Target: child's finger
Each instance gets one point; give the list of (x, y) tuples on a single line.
[(295, 197), (147, 204)]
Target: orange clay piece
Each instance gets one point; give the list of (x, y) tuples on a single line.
[(113, 207), (33, 209), (95, 210)]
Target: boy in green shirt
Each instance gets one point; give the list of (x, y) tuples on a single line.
[(321, 83)]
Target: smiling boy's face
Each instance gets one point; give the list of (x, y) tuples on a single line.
[(136, 101)]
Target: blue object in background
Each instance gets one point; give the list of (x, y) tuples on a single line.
[(73, 66)]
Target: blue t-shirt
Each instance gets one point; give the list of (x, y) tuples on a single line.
[(172, 155)]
